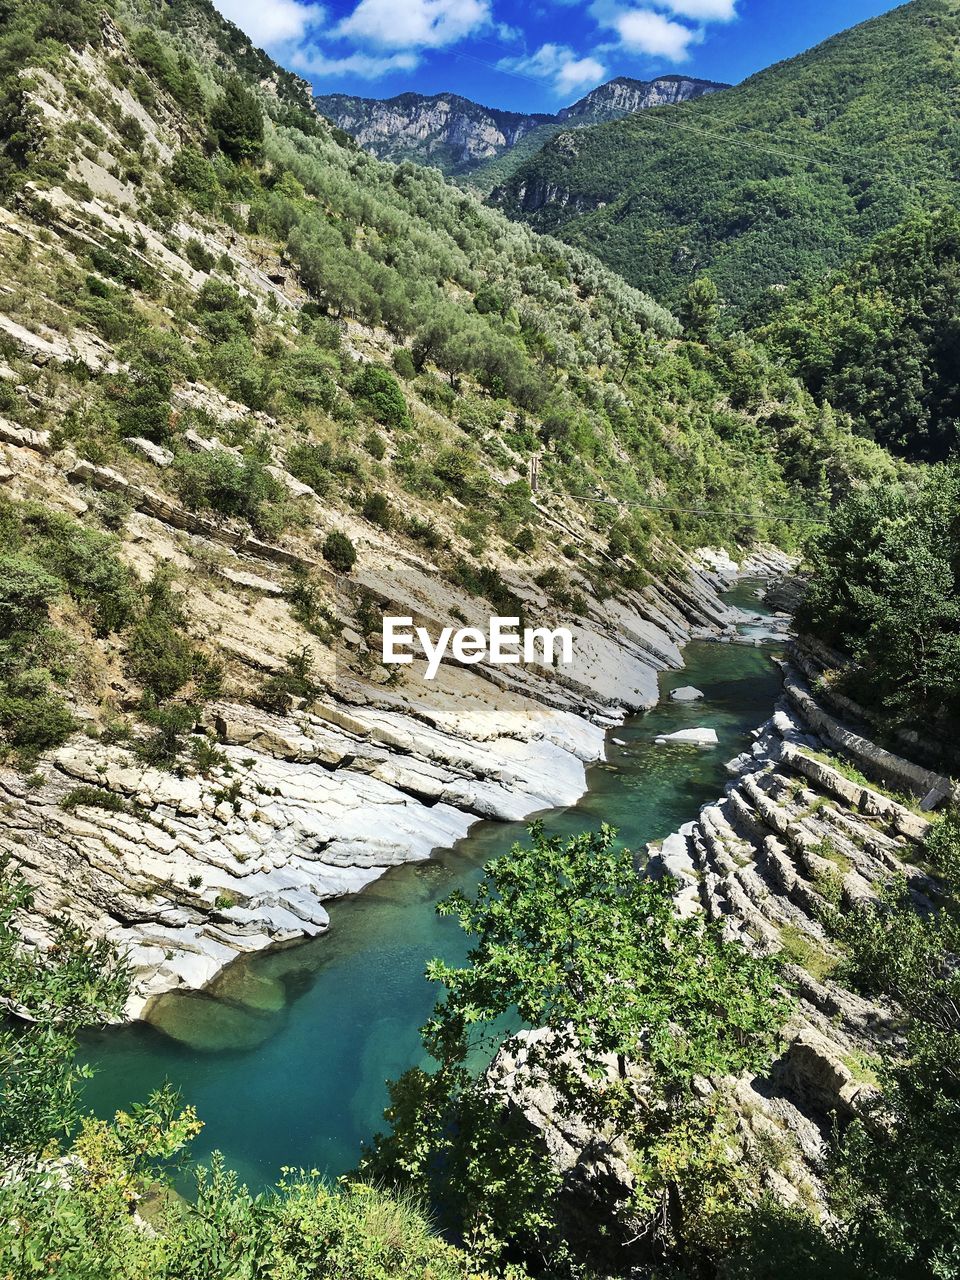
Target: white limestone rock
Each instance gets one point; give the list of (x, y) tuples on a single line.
[(687, 694), (695, 737)]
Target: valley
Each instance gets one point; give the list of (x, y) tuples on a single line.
[(475, 968)]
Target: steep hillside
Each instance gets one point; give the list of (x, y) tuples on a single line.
[(879, 339), (782, 177), (462, 138), (258, 388)]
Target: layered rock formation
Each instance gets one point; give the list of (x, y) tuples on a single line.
[(799, 834)]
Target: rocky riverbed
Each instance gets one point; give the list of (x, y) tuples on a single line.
[(799, 832)]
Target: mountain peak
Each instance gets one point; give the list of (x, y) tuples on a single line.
[(459, 136)]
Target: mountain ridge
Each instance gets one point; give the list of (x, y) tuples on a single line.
[(459, 136)]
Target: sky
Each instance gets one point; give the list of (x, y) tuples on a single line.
[(532, 55)]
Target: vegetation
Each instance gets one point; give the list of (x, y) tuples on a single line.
[(878, 340), (572, 939), (84, 1198), (885, 592), (894, 1178), (781, 178)]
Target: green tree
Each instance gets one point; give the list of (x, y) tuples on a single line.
[(569, 936), (701, 308), (237, 121), (338, 551), (885, 591), (74, 983)]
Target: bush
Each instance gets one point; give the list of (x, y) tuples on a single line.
[(377, 510), (338, 551), (310, 464), (375, 445), (378, 392), (230, 486), (294, 681), (402, 362), (94, 798), (33, 718), (199, 257), (192, 172), (159, 657)]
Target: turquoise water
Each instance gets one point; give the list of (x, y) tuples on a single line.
[(286, 1059)]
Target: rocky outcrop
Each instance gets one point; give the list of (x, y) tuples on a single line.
[(797, 835), (623, 96), (457, 135), (187, 871)]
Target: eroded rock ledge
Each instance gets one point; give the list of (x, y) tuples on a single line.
[(799, 830), (186, 873)]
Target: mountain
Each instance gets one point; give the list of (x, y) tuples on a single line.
[(781, 177), (458, 136)]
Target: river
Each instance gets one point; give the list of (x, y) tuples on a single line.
[(286, 1058)]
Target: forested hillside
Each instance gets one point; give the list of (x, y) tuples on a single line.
[(257, 387), (781, 178), (880, 339)]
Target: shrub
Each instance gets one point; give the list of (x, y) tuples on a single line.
[(377, 510), (402, 362), (378, 392), (192, 172), (230, 486), (525, 541), (338, 551), (375, 445), (33, 718), (199, 257), (426, 532), (163, 748), (306, 376), (295, 680), (93, 798), (310, 464), (159, 657), (223, 313), (26, 592)]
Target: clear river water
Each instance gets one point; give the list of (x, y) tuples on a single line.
[(286, 1059)]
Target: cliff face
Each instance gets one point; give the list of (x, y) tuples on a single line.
[(623, 96), (456, 135)]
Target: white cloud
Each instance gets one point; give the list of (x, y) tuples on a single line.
[(415, 24), (646, 32), (701, 10), (314, 62), (558, 63), (272, 22)]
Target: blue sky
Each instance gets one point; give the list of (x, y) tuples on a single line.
[(532, 56)]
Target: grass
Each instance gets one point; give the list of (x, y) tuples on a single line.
[(798, 948), (862, 1066)]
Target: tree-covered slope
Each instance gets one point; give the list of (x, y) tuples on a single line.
[(880, 339), (783, 176)]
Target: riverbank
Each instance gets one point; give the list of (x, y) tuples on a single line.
[(306, 1037), (187, 871), (815, 820)]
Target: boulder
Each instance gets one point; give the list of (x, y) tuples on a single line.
[(695, 737), (687, 694)]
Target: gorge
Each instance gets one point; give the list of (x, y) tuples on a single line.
[(261, 392)]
